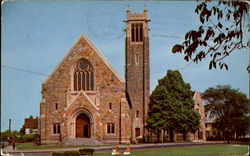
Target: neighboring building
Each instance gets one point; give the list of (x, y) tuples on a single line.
[(84, 100), (198, 136), (212, 133), (30, 125), (209, 126)]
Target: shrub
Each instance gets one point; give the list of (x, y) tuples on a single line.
[(70, 153), (86, 151), (67, 153), (26, 138), (57, 154)]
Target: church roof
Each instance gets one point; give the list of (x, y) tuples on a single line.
[(94, 49)]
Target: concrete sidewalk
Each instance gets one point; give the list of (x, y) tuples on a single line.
[(106, 148)]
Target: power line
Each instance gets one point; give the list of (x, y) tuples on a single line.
[(167, 36), (31, 72), (24, 70)]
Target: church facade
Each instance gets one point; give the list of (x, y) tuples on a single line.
[(85, 98)]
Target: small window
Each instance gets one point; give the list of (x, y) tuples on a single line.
[(56, 105), (137, 132), (110, 105), (137, 114), (136, 58), (56, 128), (110, 128)]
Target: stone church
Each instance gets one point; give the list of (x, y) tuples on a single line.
[(85, 100)]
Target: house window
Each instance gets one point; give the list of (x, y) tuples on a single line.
[(56, 105), (110, 128), (137, 132), (137, 114), (83, 76), (56, 128), (110, 105), (137, 32)]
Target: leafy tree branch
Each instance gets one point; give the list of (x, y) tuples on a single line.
[(221, 32)]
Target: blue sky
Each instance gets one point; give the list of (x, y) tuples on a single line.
[(36, 36)]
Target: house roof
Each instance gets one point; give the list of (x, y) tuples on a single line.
[(31, 123)]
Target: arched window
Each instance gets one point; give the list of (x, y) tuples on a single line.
[(137, 32), (133, 32), (83, 76), (137, 114)]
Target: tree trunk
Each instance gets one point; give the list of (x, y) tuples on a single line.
[(158, 136), (164, 136)]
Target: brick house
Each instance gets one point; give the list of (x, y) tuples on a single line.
[(30, 125)]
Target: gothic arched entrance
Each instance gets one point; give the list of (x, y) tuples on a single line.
[(82, 126)]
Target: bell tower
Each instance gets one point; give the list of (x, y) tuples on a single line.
[(137, 69)]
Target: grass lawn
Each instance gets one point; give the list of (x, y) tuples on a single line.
[(206, 150), (210, 150)]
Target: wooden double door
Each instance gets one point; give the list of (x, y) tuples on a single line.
[(82, 126)]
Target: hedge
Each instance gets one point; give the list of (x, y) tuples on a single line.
[(87, 151), (81, 152)]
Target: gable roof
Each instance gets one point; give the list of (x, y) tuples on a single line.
[(31, 123), (99, 54)]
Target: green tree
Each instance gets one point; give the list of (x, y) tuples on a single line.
[(171, 106), (229, 107), (22, 130), (222, 31)]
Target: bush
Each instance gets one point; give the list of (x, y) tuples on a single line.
[(70, 153), (66, 153), (57, 154), (26, 138), (86, 151)]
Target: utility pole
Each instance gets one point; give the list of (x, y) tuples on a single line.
[(9, 131), (9, 125)]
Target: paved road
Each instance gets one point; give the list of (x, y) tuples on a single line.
[(48, 152)]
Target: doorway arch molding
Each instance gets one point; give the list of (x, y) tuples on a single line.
[(73, 118)]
